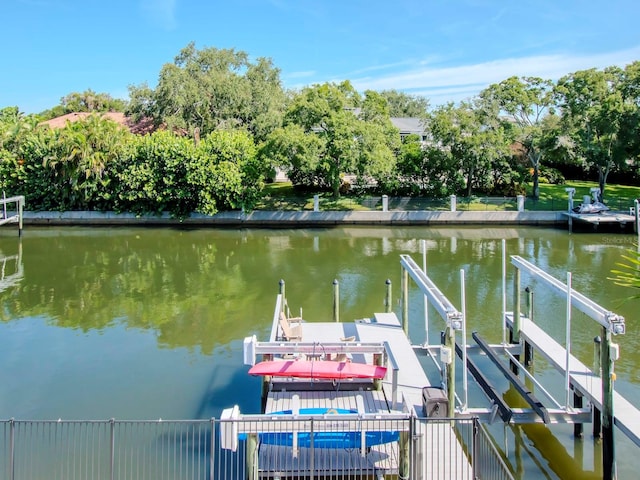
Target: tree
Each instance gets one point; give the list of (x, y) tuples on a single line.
[(465, 133), (403, 104), (350, 143), (210, 89), (525, 102), (296, 152), (593, 111), (87, 101)]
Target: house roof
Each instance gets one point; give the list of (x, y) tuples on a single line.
[(142, 127), (408, 125)]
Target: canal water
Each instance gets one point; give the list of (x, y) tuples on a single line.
[(147, 323)]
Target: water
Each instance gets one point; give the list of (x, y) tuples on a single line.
[(144, 323)]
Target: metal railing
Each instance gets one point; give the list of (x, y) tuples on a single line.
[(275, 446)]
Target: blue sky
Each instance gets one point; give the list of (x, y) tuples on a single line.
[(446, 50)]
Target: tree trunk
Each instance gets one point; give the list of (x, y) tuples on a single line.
[(535, 163)]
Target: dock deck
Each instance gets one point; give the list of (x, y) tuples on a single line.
[(602, 218), (441, 454)]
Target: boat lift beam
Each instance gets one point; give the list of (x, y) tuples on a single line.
[(522, 389), (443, 306), (609, 320), (505, 412)]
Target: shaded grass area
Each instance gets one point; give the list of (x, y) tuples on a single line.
[(281, 196)]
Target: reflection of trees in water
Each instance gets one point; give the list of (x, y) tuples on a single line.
[(202, 288), (185, 291)]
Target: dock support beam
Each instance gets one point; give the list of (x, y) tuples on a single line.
[(387, 298), (608, 444), (336, 301), (405, 301)]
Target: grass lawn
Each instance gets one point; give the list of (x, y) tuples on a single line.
[(555, 197), (281, 196)]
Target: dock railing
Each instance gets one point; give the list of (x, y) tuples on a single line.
[(7, 215), (192, 449)]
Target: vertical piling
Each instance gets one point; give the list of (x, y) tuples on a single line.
[(450, 334), (515, 329), (608, 444), (597, 419), (336, 301), (387, 298), (405, 301), (528, 349), (20, 213), (251, 457), (578, 428), (282, 295)]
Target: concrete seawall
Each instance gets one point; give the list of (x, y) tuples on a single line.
[(300, 218)]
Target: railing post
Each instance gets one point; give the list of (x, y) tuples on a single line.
[(475, 454), (112, 443), (12, 451), (212, 449)]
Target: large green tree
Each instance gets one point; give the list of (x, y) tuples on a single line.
[(204, 90), (356, 136), (593, 111), (403, 104), (474, 143), (523, 102)]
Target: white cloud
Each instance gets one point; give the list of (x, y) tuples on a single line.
[(160, 12), (464, 81)]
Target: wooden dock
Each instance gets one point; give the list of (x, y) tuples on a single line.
[(439, 450), (603, 218), (626, 416)]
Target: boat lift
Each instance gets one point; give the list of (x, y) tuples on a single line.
[(524, 337)]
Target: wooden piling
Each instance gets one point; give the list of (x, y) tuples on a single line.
[(387, 299), (251, 457), (450, 336), (597, 423), (405, 301), (608, 444), (336, 301), (514, 336), (578, 428)]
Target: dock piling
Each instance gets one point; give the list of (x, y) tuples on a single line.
[(387, 298), (528, 349), (405, 301), (608, 444), (336, 301), (597, 424), (514, 337)]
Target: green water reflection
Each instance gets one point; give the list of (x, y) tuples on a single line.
[(148, 323)]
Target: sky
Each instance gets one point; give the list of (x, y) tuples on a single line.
[(445, 50)]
